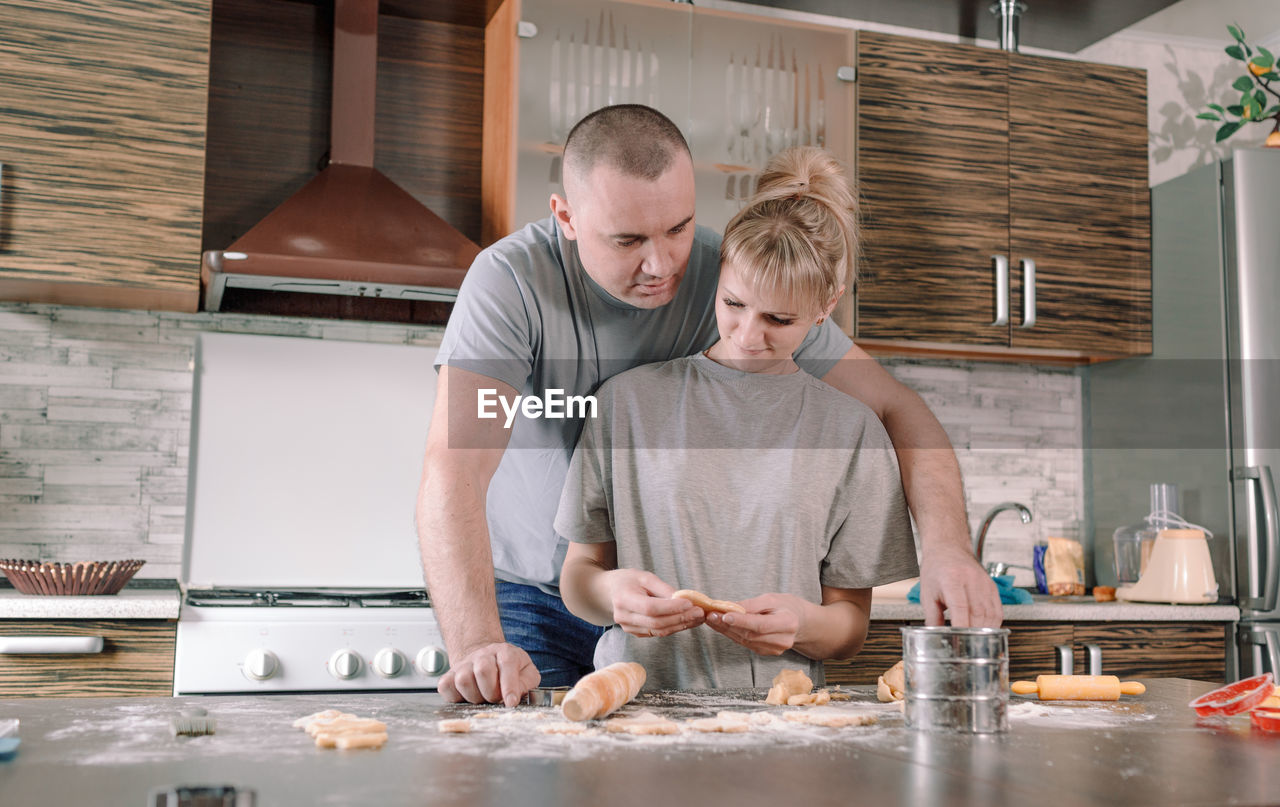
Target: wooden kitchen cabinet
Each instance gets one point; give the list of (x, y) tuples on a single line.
[(1195, 650), (965, 154), (102, 144), (136, 659)]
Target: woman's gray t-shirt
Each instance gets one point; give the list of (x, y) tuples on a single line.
[(734, 484)]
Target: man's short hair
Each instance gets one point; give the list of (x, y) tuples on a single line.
[(635, 139)]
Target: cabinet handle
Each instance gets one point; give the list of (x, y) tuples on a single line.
[(1267, 543), (1095, 659), (1002, 289), (1066, 659), (1028, 293), (47, 645)]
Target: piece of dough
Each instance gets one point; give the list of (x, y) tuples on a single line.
[(368, 740), (347, 724), (603, 691), (327, 714), (563, 727), (786, 684), (892, 685), (812, 699), (642, 723), (830, 717), (459, 726), (725, 723), (707, 604)]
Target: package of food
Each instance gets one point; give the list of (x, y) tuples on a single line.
[(1064, 567)]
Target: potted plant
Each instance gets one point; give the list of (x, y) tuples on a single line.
[(1254, 87)]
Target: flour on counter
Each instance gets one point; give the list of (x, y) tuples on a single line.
[(1077, 714)]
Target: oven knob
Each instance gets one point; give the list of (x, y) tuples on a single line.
[(432, 661), (344, 664), (260, 664), (389, 662)]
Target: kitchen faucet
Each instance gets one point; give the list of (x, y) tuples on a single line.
[(981, 538)]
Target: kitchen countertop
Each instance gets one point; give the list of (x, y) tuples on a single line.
[(1148, 749), (161, 599), (1074, 609), (140, 599)]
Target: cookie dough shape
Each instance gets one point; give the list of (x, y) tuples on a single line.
[(565, 727), (457, 726), (830, 717), (707, 604), (334, 729), (603, 691), (786, 685), (723, 722), (642, 723), (818, 698), (892, 685)]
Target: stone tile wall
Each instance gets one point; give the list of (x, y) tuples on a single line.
[(95, 419)]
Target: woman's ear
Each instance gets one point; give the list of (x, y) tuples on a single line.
[(831, 304)]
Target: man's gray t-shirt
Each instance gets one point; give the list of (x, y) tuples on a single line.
[(734, 484), (528, 315)]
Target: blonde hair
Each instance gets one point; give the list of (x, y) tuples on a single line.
[(798, 235)]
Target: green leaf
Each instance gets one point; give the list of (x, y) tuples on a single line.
[(1255, 110), (1236, 33), (1243, 84), (1264, 59), (1235, 52), (1208, 116), (1216, 108), (1267, 54), (1226, 130), (1271, 113), (1236, 109), (1260, 98), (1272, 76)]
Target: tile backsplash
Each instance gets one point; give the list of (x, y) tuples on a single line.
[(95, 410)]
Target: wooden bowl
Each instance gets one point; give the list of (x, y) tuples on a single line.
[(92, 577)]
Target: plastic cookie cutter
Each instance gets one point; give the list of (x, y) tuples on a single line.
[(9, 741)]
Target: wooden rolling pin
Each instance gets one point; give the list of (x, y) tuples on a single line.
[(1078, 687), (603, 691)]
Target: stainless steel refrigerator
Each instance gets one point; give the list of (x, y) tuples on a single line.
[(1203, 411)]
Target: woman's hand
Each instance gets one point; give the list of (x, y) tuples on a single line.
[(770, 626), (642, 604)]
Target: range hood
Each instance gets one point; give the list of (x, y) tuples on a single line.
[(350, 230)]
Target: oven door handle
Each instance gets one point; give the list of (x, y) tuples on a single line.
[(49, 645)]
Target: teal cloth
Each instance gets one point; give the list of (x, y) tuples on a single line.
[(1009, 595)]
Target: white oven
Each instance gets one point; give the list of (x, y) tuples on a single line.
[(300, 568)]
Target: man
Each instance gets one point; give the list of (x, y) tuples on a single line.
[(618, 276)]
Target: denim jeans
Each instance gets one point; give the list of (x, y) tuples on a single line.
[(561, 645)]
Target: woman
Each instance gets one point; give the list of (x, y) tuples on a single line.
[(735, 473)]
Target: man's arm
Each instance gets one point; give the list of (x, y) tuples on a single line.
[(462, 454), (950, 577)]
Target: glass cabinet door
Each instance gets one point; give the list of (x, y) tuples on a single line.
[(740, 87), (587, 54)]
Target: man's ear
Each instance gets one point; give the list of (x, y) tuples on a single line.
[(564, 216)]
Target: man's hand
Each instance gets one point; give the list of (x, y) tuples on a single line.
[(951, 580), (642, 604), (492, 673), (769, 627)]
